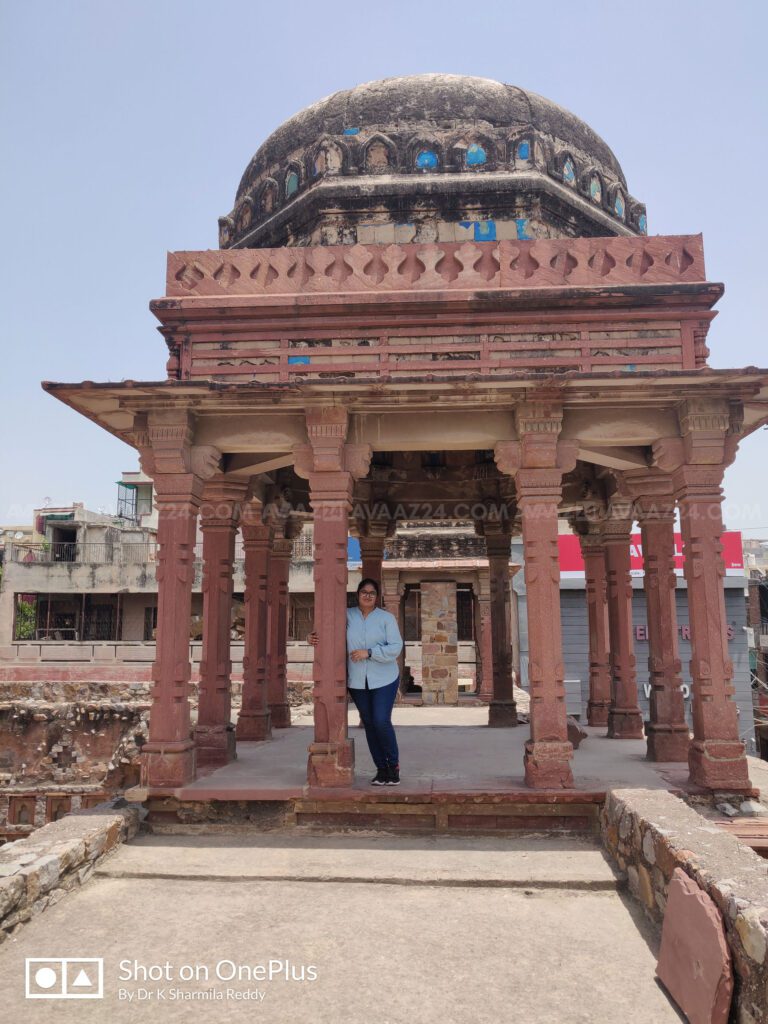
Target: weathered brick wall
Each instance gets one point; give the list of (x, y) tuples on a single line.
[(649, 833), (439, 644)]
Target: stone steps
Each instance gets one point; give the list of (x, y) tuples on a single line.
[(468, 812), (505, 862)]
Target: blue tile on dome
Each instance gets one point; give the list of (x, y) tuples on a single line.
[(426, 159), (476, 155)]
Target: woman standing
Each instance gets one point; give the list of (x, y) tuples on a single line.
[(373, 646)]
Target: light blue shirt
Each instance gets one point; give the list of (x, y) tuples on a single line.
[(378, 631)]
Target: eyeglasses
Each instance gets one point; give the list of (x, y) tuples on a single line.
[(368, 593)]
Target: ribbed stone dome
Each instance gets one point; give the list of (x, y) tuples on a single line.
[(405, 134)]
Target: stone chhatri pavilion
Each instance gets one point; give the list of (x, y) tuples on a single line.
[(435, 298)]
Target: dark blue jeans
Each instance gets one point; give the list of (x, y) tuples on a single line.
[(375, 707)]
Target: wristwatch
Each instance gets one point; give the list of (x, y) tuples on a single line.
[(370, 653)]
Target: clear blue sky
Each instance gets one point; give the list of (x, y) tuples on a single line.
[(127, 126)]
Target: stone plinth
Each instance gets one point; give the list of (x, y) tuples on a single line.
[(439, 644)]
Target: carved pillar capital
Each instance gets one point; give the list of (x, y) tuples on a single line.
[(653, 495), (221, 502)]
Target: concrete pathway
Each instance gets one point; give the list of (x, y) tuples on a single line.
[(411, 930)]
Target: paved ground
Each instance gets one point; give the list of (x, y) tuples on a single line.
[(440, 748), (465, 930)]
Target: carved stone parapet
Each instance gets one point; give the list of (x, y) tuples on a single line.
[(340, 271)]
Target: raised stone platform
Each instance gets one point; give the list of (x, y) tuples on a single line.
[(458, 775)]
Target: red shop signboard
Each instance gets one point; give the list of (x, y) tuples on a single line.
[(572, 564)]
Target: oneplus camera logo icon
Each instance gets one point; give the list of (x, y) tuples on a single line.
[(64, 977)]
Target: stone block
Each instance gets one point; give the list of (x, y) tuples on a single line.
[(645, 886), (70, 853), (649, 850), (665, 858), (694, 961), (41, 875), (752, 926), (11, 891)]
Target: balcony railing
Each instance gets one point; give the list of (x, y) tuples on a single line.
[(87, 553)]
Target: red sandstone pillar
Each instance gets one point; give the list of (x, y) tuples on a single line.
[(716, 756), (392, 593), (254, 722), (625, 719), (371, 555), (548, 752), (331, 466), (214, 733), (331, 755), (277, 626), (515, 627), (593, 553), (667, 730), (168, 756), (502, 710), (539, 461), (178, 470), (485, 645)]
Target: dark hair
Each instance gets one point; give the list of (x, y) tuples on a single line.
[(370, 582)]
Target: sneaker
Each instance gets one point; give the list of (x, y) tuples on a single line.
[(381, 777), (393, 775)]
